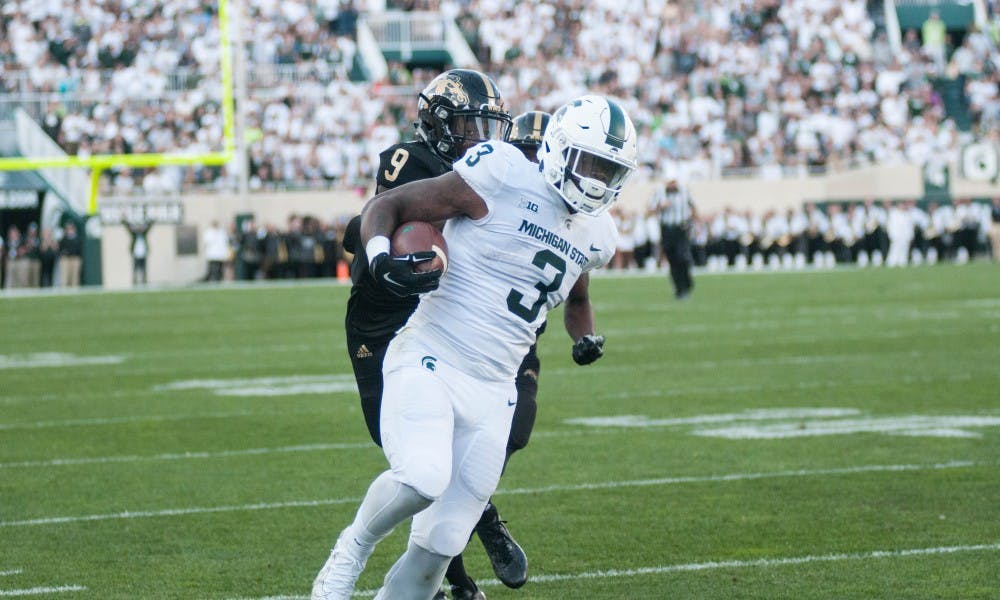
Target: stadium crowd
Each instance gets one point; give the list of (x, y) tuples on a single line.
[(304, 247), (714, 87), (867, 234), (891, 233)]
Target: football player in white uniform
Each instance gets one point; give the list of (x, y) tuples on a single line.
[(521, 237)]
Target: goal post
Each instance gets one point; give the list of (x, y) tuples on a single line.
[(98, 163)]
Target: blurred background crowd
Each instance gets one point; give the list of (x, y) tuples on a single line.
[(715, 87), (868, 233)]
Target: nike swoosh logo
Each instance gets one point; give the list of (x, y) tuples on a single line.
[(509, 403), (388, 278), (594, 248)]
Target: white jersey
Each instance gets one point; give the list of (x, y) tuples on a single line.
[(507, 269)]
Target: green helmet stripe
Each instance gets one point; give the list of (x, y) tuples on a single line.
[(617, 131)]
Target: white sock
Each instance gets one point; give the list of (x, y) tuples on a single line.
[(417, 575), (386, 504)]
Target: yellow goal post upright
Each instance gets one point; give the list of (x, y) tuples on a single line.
[(98, 163)]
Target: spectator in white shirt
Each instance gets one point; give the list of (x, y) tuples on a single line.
[(216, 243)]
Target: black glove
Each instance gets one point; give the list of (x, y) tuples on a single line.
[(395, 273), (588, 349)]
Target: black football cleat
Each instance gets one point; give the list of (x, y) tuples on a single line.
[(458, 593), (510, 564), (440, 595)]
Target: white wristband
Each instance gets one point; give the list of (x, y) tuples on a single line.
[(375, 246)]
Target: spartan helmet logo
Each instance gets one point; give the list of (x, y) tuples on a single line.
[(449, 86), (429, 362)]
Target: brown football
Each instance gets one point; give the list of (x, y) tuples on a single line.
[(418, 236)]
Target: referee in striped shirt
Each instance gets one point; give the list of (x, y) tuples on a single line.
[(677, 213)]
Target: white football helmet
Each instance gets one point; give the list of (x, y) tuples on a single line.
[(588, 152)]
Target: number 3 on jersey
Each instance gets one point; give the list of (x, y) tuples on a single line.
[(397, 160), (542, 259), (483, 150)]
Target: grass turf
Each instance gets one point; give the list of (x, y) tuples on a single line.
[(203, 443)]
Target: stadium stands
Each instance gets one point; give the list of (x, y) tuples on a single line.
[(719, 88), (716, 88)]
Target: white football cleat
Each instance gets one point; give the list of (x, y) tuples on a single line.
[(337, 577)]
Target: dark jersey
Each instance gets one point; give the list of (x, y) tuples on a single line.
[(371, 312)]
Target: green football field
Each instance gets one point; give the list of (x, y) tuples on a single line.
[(813, 435)]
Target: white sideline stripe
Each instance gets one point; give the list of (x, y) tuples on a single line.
[(11, 572), (712, 565), (35, 591), (158, 288), (59, 462), (513, 491)]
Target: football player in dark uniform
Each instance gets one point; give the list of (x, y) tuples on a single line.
[(456, 111), (527, 132)]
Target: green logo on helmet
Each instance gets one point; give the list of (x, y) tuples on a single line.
[(617, 130)]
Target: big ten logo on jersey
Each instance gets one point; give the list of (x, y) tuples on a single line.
[(527, 205)]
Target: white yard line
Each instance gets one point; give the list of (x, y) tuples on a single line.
[(173, 512), (513, 491), (742, 564), (55, 359), (598, 369), (10, 572), (151, 419), (37, 591), (197, 455), (713, 565), (958, 464), (799, 385), (99, 460), (797, 360)]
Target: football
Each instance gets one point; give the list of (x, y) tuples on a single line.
[(419, 236)]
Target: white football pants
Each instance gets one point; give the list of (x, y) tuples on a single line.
[(445, 435)]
